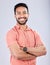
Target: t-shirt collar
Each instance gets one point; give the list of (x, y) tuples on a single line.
[(18, 26)]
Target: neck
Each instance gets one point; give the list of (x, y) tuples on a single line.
[(23, 26)]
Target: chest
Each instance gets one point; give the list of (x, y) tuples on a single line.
[(26, 38)]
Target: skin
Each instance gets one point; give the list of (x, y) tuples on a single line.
[(38, 51), (21, 17)]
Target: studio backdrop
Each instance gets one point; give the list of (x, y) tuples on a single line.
[(38, 20)]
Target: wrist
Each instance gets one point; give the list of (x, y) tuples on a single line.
[(25, 49)]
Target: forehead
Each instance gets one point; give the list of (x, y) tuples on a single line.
[(21, 9)]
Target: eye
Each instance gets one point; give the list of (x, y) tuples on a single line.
[(18, 13), (24, 12)]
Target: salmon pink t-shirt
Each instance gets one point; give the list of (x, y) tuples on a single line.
[(26, 38)]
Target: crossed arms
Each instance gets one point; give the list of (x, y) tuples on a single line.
[(20, 54)]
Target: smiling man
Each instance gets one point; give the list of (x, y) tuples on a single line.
[(24, 43)]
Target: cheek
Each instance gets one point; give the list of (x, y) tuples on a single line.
[(27, 15), (17, 16)]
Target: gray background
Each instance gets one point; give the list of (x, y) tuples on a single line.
[(38, 20)]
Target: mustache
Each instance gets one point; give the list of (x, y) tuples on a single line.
[(22, 17)]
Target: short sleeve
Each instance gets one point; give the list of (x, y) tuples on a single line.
[(11, 37), (38, 39)]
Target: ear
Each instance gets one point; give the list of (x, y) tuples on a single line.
[(14, 15), (28, 14)]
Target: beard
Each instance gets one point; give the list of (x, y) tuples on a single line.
[(21, 22)]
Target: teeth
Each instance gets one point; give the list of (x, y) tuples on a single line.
[(21, 19)]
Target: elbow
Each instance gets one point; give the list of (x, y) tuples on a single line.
[(45, 52)]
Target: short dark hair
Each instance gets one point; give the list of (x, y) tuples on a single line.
[(19, 5)]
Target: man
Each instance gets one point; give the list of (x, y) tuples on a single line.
[(25, 45)]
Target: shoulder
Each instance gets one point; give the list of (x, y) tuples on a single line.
[(32, 30), (35, 32), (12, 31)]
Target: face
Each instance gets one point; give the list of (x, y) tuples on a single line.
[(21, 15)]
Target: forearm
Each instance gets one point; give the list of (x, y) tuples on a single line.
[(24, 56), (19, 53), (38, 51)]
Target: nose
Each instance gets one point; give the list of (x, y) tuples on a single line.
[(22, 15)]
